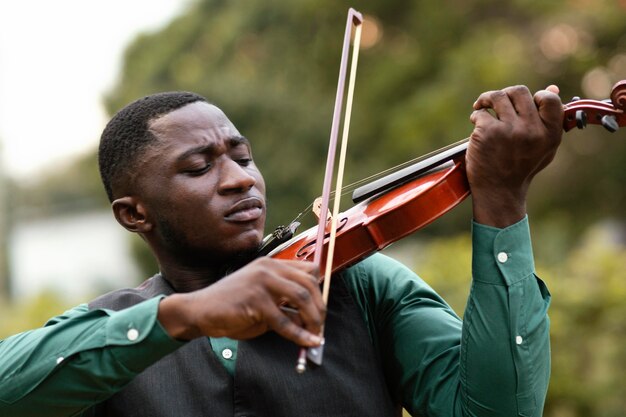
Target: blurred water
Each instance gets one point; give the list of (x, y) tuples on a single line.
[(76, 256)]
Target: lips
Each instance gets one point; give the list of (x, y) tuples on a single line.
[(246, 210)]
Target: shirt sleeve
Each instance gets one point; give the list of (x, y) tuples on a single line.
[(496, 362), (79, 359)]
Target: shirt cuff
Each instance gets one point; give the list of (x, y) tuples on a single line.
[(502, 256), (82, 341), (139, 326)]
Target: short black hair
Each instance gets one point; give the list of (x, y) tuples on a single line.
[(127, 135)]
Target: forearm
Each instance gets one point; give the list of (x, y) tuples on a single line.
[(505, 362), (80, 360), (441, 366)]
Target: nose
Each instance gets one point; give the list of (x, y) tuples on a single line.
[(234, 178)]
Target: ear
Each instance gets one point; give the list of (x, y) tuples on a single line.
[(131, 214)]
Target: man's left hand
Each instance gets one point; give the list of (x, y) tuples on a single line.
[(515, 136)]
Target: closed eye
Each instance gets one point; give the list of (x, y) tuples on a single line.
[(244, 162), (198, 170)]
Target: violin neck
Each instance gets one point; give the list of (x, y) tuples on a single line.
[(434, 161)]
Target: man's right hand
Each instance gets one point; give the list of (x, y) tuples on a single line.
[(247, 303)]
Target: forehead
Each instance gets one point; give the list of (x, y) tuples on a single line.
[(195, 122)]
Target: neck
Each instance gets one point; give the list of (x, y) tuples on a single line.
[(187, 276), (184, 279)]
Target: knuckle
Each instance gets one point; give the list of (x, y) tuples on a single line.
[(498, 94), (518, 90), (318, 322), (303, 295), (486, 94), (282, 322), (253, 315)]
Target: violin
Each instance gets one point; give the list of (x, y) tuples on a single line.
[(397, 205)]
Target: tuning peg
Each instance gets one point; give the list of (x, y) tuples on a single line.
[(581, 119), (610, 123)]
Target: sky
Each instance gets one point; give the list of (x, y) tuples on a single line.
[(57, 59)]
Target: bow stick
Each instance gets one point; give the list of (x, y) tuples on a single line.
[(355, 19)]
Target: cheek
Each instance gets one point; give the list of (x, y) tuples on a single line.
[(260, 182), (189, 192), (189, 208)]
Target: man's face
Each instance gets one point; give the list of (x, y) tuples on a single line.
[(199, 184)]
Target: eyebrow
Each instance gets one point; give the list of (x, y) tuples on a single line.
[(232, 142)]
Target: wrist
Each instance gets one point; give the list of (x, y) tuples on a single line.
[(498, 209), (175, 316)]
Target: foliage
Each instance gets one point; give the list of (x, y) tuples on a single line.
[(30, 314), (272, 66), (588, 330)]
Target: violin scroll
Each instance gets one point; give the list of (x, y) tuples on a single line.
[(608, 113), (618, 95)]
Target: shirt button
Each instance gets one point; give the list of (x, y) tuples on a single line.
[(227, 354), (132, 334), (60, 359), (518, 340), (502, 257)]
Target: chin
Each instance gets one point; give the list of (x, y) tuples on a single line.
[(239, 249), (234, 260), (246, 242), (245, 239)]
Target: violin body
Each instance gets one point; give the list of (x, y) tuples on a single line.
[(377, 222)]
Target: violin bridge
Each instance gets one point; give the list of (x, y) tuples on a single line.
[(317, 209)]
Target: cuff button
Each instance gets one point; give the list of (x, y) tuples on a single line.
[(132, 334)]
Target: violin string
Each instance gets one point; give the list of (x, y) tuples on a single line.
[(352, 186), (356, 184)]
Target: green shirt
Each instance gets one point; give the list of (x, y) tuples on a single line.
[(496, 362)]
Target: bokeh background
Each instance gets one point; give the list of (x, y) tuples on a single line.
[(66, 66)]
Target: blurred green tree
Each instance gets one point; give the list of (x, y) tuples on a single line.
[(272, 66)]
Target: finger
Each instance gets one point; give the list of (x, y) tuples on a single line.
[(282, 325), (292, 313), (305, 266), (483, 101), (482, 116), (553, 89), (550, 106), (291, 282), (497, 100), (298, 292), (286, 282), (521, 99), (306, 275)]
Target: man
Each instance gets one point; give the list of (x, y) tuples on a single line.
[(198, 339)]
